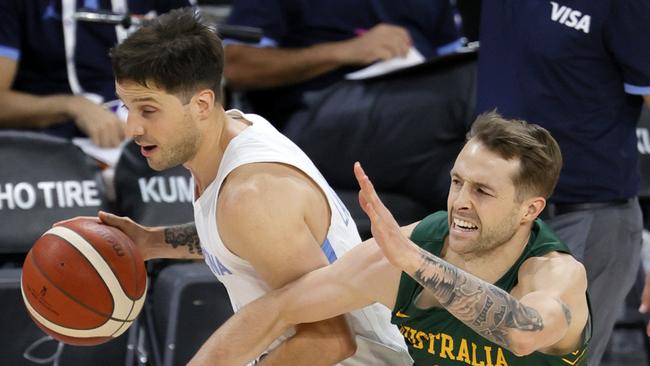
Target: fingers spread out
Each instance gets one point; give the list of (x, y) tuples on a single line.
[(366, 189), (368, 198), (371, 203), (364, 182), (362, 201), (358, 171)]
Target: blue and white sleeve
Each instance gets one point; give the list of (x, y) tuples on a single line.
[(628, 38), (10, 29)]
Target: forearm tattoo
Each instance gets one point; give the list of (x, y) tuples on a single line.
[(184, 235), (485, 308)]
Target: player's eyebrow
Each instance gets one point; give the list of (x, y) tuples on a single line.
[(145, 99), (476, 183)]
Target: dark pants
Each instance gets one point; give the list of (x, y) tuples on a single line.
[(405, 130), (608, 242)]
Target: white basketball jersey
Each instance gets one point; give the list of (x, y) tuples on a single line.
[(378, 341)]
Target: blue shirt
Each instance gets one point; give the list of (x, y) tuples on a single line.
[(31, 33), (577, 68), (304, 23)]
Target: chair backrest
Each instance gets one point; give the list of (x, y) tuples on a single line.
[(149, 197), (189, 303), (43, 180), (24, 344)]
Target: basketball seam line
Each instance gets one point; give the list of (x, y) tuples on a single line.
[(106, 262), (134, 266), (126, 309), (91, 265), (109, 266), (38, 267)]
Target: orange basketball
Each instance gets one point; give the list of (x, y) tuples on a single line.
[(83, 282)]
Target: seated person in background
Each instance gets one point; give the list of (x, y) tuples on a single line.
[(486, 283), (406, 129), (55, 78)]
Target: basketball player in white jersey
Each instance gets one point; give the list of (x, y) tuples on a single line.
[(264, 215)]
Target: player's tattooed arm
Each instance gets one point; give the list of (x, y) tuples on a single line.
[(487, 309), (184, 235)]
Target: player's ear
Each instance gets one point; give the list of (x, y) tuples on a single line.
[(532, 208), (203, 102)]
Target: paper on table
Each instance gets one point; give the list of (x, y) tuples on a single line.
[(414, 57)]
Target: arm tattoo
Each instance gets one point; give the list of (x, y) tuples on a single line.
[(487, 309), (184, 235)]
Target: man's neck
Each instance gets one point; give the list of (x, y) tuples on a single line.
[(218, 133), (491, 265)]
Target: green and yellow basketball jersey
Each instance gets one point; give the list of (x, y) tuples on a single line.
[(437, 338)]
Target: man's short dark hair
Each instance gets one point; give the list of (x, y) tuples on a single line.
[(538, 153), (176, 52)]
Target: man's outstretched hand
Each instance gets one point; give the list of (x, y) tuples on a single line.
[(384, 228)]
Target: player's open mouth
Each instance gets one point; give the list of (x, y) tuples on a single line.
[(463, 225), (147, 150)]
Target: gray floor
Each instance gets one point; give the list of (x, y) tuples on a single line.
[(626, 348)]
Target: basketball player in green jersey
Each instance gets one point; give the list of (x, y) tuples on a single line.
[(484, 284)]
